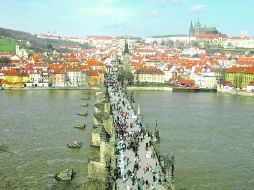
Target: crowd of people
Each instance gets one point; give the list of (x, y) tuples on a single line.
[(135, 139)]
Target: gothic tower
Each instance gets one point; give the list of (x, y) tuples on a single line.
[(191, 30), (197, 28), (126, 47)]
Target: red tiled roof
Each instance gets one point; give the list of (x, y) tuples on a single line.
[(100, 37), (212, 36), (198, 70), (246, 60), (93, 73), (235, 69), (246, 70), (150, 70), (249, 70), (137, 65), (94, 62), (184, 81), (11, 72)]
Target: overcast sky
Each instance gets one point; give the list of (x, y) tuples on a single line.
[(125, 17)]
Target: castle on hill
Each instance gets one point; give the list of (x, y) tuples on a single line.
[(198, 29)]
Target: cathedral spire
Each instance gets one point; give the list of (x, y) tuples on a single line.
[(198, 22), (126, 47), (191, 30)]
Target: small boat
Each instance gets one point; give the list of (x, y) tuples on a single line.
[(86, 98), (75, 144), (85, 105), (3, 148), (65, 175), (81, 126), (83, 114)]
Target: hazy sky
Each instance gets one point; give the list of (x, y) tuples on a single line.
[(125, 17)]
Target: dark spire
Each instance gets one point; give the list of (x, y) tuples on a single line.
[(191, 30), (198, 23), (126, 48)]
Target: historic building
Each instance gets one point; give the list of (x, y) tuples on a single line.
[(149, 75), (240, 77), (198, 29)]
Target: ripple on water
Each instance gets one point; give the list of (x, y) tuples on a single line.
[(55, 161), (37, 134)]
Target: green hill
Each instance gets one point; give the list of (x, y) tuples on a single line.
[(7, 45), (8, 39)]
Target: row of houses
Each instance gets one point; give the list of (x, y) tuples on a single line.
[(55, 75), (149, 64)]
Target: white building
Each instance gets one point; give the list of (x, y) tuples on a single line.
[(1, 75), (250, 87), (38, 79), (74, 77), (240, 42), (224, 62), (175, 38), (193, 51), (169, 72), (204, 78), (145, 52), (21, 52)]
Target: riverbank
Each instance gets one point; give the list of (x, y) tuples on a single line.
[(152, 88), (52, 88), (239, 93)]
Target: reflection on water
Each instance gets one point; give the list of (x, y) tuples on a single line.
[(211, 136), (37, 125)]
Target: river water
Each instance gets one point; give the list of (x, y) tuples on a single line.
[(210, 135), (37, 125)]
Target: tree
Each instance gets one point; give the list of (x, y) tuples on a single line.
[(222, 73), (4, 61), (195, 44), (170, 43), (230, 45), (238, 80), (49, 47), (163, 42), (125, 74)]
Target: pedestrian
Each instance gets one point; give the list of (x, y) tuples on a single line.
[(154, 178)]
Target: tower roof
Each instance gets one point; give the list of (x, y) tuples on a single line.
[(126, 48)]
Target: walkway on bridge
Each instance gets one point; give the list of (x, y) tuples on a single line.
[(149, 169)]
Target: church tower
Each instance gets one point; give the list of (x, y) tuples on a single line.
[(17, 49), (191, 30), (126, 47), (197, 28)]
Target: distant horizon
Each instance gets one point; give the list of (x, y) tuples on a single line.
[(144, 18), (120, 35)]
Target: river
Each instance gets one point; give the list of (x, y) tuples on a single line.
[(210, 135), (37, 125)]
